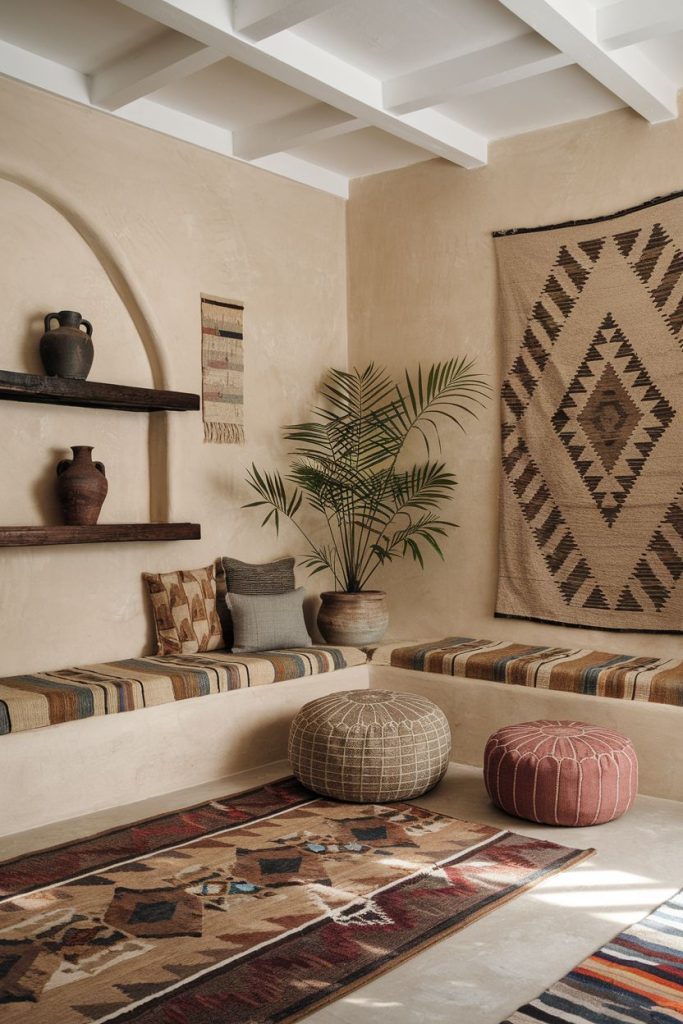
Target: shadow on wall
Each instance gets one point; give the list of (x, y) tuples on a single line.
[(44, 489), (114, 266), (29, 350)]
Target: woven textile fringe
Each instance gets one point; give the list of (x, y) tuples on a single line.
[(224, 433), (222, 371)]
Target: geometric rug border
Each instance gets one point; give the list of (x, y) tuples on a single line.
[(44, 851)]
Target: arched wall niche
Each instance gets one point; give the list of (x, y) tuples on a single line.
[(113, 264)]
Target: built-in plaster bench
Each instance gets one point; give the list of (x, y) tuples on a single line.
[(67, 749), (463, 677)]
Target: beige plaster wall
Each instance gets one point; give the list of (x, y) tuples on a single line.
[(164, 222), (422, 285)]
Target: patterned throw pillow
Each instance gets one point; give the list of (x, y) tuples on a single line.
[(246, 578), (268, 622), (184, 608)]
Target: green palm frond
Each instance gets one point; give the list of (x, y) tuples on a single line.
[(351, 394), (273, 492), (426, 528), (424, 486), (344, 467)]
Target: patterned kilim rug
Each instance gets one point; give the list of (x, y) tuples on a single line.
[(637, 978), (592, 402), (259, 907)]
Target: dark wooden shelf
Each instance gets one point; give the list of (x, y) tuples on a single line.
[(26, 536), (29, 387)]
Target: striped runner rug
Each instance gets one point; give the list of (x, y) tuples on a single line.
[(637, 978), (572, 670), (109, 688), (252, 909)]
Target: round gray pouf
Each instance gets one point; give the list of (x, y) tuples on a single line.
[(369, 746)]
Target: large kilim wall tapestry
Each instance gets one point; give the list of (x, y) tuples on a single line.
[(222, 371), (592, 403)]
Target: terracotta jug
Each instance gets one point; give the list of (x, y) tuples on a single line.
[(81, 487), (67, 351), (353, 620)]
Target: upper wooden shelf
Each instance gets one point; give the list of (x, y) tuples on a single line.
[(29, 387)]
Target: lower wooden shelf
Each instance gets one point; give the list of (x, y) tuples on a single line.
[(25, 536)]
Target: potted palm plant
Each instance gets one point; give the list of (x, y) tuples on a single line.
[(349, 465)]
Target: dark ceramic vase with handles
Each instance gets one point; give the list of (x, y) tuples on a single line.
[(81, 487), (67, 351)]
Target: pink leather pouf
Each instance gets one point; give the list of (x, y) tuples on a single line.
[(561, 773)]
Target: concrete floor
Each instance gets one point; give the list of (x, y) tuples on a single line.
[(481, 974)]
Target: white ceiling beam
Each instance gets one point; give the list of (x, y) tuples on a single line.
[(45, 74), (633, 21), (166, 59), (293, 167), (488, 68), (28, 67), (291, 59), (179, 125), (312, 124), (73, 85), (259, 19), (571, 26), (219, 140)]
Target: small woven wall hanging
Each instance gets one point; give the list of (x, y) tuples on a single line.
[(222, 371)]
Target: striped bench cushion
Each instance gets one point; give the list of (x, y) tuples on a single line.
[(47, 698), (576, 670)]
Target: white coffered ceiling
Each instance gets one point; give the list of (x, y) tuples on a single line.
[(323, 91)]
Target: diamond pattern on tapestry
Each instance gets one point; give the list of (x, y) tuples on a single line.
[(568, 277), (591, 522), (654, 578), (658, 263), (609, 417), (617, 416)]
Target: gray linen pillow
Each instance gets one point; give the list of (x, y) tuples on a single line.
[(246, 578), (268, 622)]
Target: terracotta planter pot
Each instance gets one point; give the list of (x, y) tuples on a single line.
[(353, 620)]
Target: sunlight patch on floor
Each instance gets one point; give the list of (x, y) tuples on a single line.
[(376, 1004), (616, 894), (585, 875)]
